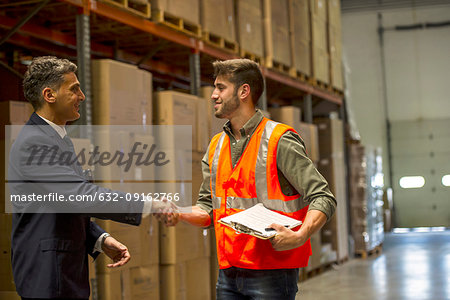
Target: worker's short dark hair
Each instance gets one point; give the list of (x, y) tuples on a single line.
[(240, 71)]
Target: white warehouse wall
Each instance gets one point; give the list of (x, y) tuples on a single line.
[(417, 70)]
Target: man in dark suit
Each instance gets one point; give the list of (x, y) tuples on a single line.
[(50, 250)]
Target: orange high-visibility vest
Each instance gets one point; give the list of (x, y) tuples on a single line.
[(253, 180)]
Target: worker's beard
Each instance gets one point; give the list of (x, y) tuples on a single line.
[(228, 107)]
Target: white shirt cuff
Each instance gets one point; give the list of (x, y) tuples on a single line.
[(98, 243)]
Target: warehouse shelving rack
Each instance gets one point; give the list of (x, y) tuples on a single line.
[(81, 29)]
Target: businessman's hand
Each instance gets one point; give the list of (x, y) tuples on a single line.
[(116, 251), (167, 212), (286, 239)]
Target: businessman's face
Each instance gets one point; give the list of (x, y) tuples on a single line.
[(68, 99), (225, 98)]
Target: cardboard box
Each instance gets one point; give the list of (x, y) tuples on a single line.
[(316, 247), (320, 64), (289, 115), (186, 280), (332, 166), (250, 26), (319, 41), (112, 142), (277, 32), (189, 10), (121, 94), (331, 136), (300, 35), (310, 136), (203, 124), (182, 243), (142, 242), (15, 112), (218, 17), (336, 73), (334, 13), (318, 8), (141, 282), (175, 108)]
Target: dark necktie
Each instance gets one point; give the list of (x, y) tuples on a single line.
[(69, 143), (75, 164)]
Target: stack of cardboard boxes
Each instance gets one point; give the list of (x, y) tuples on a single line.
[(358, 195), (187, 10), (277, 33), (249, 26), (332, 167), (218, 19), (300, 36), (139, 278), (375, 218), (122, 95), (319, 46), (335, 43), (185, 249), (291, 115), (366, 192)]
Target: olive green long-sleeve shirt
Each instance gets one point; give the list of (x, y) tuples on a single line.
[(296, 172)]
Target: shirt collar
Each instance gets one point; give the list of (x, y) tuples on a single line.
[(61, 130), (249, 127)]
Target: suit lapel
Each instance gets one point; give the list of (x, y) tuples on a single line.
[(63, 145)]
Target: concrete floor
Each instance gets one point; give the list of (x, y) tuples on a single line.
[(412, 266)]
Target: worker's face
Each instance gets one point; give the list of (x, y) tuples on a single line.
[(68, 99), (225, 98)]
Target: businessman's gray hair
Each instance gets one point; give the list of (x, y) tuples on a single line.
[(45, 72)]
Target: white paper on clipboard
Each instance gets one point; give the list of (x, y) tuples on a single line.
[(256, 219)]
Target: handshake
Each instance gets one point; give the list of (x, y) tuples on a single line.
[(168, 212)]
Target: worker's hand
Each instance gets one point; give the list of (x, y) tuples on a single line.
[(116, 251), (286, 239), (166, 212)]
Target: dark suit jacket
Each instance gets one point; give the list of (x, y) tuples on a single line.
[(50, 250)]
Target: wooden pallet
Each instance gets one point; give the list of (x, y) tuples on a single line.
[(337, 91), (220, 42), (140, 9), (252, 56), (364, 254), (320, 84), (302, 76), (177, 23), (305, 275), (280, 67), (342, 260)]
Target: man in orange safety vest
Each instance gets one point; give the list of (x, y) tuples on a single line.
[(256, 160)]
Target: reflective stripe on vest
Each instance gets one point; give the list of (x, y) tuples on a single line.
[(290, 206), (216, 200)]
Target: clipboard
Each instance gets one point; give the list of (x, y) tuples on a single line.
[(255, 220)]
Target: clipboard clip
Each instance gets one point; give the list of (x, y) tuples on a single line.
[(244, 229)]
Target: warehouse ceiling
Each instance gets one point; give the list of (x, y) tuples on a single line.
[(368, 5)]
